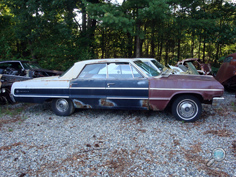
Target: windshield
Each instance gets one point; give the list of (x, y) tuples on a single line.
[(147, 69), (158, 65)]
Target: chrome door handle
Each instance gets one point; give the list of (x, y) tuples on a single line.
[(108, 84)]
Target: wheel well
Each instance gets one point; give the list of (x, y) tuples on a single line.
[(178, 95), (49, 100)]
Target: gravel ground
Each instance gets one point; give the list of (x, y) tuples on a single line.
[(35, 142)]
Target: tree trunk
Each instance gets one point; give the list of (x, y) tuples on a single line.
[(167, 52), (204, 50), (199, 47), (192, 46), (129, 47), (84, 19), (103, 43), (137, 51), (153, 40), (161, 47), (179, 41)]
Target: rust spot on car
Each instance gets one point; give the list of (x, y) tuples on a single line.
[(107, 103), (80, 104), (154, 108), (145, 104)]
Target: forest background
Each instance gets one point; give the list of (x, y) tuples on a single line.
[(57, 33)]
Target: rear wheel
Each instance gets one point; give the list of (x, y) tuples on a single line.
[(187, 108), (62, 107)]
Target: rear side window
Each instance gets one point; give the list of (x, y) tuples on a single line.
[(94, 71)]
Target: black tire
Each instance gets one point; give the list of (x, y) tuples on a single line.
[(62, 107), (186, 108)]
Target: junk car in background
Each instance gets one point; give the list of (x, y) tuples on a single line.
[(12, 71), (121, 84), (193, 66), (186, 66), (226, 75)]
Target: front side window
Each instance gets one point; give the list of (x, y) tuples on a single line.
[(119, 70), (94, 71)]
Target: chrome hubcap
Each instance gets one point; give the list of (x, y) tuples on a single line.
[(62, 105), (187, 109)]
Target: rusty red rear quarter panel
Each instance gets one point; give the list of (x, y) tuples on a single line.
[(163, 89)]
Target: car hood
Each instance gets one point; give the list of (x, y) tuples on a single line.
[(186, 82)]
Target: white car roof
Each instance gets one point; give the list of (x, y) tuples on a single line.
[(78, 66)]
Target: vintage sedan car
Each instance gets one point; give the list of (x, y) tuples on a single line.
[(120, 84)]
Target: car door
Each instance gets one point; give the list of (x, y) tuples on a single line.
[(88, 89), (126, 88)]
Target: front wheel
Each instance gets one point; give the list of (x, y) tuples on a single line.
[(62, 107), (187, 108)]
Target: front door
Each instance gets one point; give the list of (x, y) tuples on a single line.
[(126, 88)]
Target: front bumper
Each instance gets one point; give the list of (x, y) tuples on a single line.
[(216, 102)]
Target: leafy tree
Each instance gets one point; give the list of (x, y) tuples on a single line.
[(50, 32)]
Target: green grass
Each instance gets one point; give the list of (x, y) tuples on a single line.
[(234, 106)]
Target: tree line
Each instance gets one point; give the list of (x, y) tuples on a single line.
[(57, 33)]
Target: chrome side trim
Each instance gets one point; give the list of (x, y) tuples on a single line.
[(41, 88), (182, 89), (110, 88), (41, 96), (84, 88), (125, 88), (125, 98), (160, 99)]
